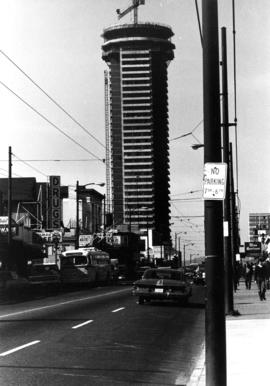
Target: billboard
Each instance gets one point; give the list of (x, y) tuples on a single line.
[(55, 202)]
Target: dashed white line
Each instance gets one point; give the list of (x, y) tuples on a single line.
[(19, 348), (119, 309), (83, 324)]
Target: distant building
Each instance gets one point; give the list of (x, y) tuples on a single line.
[(138, 56), (259, 225), (91, 213)]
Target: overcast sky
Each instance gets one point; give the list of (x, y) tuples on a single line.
[(58, 44)]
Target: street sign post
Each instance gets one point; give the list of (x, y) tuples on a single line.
[(214, 181)]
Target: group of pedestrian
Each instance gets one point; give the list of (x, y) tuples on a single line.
[(261, 271)]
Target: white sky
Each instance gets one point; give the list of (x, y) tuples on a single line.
[(58, 43)]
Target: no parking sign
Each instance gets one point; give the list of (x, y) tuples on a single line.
[(214, 181)]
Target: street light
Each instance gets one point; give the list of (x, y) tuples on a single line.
[(78, 187), (197, 146), (185, 245), (178, 251), (147, 230)]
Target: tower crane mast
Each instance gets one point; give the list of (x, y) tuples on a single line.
[(133, 7)]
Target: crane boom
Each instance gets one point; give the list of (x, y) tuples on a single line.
[(134, 6)]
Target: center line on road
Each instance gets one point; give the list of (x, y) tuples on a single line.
[(92, 297), (119, 309), (19, 348), (83, 324)]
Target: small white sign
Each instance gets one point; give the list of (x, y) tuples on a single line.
[(214, 181)]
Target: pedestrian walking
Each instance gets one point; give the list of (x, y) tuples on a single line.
[(236, 275), (248, 272), (260, 278), (267, 263)]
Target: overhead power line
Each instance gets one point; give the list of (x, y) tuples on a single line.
[(54, 160), (6, 171), (52, 99), (30, 166), (51, 123), (189, 133), (194, 199), (189, 192), (199, 21)]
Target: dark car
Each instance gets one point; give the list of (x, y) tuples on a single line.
[(140, 271), (163, 284), (44, 275), (199, 275)]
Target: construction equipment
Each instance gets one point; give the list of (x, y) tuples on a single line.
[(134, 6)]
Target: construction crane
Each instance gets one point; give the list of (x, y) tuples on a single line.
[(134, 6)]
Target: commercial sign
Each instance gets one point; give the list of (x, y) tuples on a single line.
[(3, 220), (253, 247), (214, 181), (55, 202), (86, 240), (4, 225)]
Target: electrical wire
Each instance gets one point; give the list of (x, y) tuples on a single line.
[(235, 94), (51, 123), (52, 99), (189, 192), (199, 22), (53, 160), (32, 167), (190, 133), (17, 175)]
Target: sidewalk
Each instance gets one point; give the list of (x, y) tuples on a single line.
[(247, 340)]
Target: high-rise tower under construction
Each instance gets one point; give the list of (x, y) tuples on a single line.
[(137, 126)]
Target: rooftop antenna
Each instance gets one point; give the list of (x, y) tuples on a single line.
[(134, 6)]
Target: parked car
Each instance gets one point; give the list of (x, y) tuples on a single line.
[(199, 275), (140, 271), (114, 270), (163, 284), (44, 275)]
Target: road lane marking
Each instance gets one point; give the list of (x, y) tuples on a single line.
[(18, 348), (83, 324), (119, 309), (63, 303)]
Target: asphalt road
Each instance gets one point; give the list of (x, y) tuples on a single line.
[(101, 337)]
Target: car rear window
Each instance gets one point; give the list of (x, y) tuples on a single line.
[(160, 274)]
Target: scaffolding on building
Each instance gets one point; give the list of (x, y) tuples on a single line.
[(108, 143)]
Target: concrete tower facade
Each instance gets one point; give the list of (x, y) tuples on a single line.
[(138, 56)]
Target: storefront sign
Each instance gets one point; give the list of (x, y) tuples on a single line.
[(55, 202)]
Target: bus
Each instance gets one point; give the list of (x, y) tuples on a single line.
[(85, 266)]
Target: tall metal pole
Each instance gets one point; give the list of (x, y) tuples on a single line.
[(147, 230), (226, 207), (215, 329), (179, 251), (104, 215), (233, 222), (77, 217), (9, 206)]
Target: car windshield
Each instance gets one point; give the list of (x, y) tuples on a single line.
[(163, 274)]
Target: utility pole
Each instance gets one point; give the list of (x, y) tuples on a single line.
[(179, 251), (104, 215), (233, 219), (215, 328), (226, 207), (77, 217), (9, 206)]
